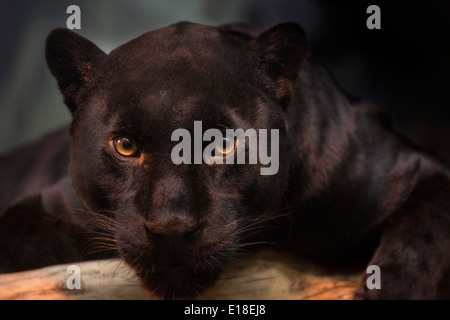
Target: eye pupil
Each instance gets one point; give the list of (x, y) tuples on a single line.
[(126, 144)]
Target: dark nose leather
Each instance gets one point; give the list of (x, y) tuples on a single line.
[(173, 233)]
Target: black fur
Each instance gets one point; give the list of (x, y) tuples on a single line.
[(348, 187)]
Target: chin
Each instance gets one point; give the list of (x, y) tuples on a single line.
[(185, 276), (178, 284)]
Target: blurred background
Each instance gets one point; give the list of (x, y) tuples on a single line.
[(404, 67)]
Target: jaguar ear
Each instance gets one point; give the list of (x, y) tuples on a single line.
[(72, 60), (282, 50)]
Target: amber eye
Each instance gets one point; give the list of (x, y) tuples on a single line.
[(225, 146), (124, 146)]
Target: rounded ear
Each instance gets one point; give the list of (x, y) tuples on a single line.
[(71, 59), (282, 50)]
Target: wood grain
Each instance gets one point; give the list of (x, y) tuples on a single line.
[(265, 275)]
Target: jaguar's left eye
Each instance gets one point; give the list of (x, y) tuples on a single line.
[(225, 146), (124, 146)]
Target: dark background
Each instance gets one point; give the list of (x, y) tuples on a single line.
[(404, 67)]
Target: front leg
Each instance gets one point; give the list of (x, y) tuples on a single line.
[(47, 228), (31, 238), (414, 249)]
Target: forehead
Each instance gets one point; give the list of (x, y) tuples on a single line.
[(166, 111), (185, 71), (178, 55)]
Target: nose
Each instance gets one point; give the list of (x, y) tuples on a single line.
[(174, 232)]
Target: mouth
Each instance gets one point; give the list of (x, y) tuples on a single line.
[(184, 273)]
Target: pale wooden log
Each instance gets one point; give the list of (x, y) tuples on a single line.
[(266, 275)]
